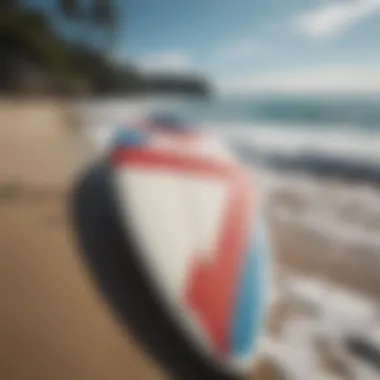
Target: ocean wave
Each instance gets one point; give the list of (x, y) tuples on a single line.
[(335, 153)]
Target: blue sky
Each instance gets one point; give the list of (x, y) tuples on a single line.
[(250, 44), (254, 45)]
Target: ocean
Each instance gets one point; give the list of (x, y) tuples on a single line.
[(288, 110)]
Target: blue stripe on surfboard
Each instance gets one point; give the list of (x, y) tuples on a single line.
[(250, 301), (129, 138)]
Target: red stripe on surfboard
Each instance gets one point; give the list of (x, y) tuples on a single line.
[(164, 160), (213, 285)]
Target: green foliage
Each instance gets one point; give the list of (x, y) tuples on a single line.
[(103, 13), (191, 85), (77, 66), (31, 32), (71, 9)]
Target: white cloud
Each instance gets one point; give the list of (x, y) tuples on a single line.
[(318, 80), (165, 62), (333, 18)]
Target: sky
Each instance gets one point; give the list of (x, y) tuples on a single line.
[(255, 45)]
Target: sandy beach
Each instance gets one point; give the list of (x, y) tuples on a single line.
[(54, 325)]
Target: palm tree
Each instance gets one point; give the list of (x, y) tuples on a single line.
[(102, 13), (71, 9), (99, 14)]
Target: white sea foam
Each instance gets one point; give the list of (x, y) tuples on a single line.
[(344, 214), (346, 143), (338, 315)]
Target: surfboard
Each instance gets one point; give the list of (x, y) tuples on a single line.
[(196, 216)]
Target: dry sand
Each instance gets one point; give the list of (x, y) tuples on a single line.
[(53, 324)]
